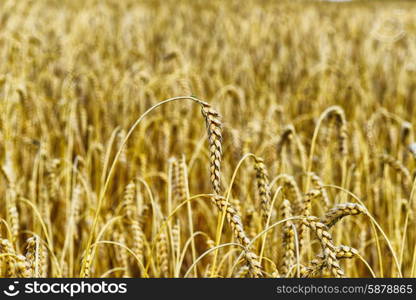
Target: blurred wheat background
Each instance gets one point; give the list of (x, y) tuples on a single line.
[(307, 117)]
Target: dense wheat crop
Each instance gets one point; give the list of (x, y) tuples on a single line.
[(207, 138)]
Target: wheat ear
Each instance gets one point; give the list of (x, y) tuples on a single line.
[(288, 239), (213, 124), (328, 248), (398, 167), (33, 255), (318, 264), (341, 210), (162, 254), (338, 114), (6, 247), (23, 269), (263, 187), (319, 185), (294, 194)]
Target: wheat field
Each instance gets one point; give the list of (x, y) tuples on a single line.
[(207, 138)]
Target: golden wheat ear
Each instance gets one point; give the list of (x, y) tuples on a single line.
[(263, 187), (288, 239), (328, 248), (340, 211), (214, 129)]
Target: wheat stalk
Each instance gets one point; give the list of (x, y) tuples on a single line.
[(12, 213)]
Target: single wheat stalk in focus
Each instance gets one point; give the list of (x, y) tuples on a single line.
[(213, 124), (288, 240)]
